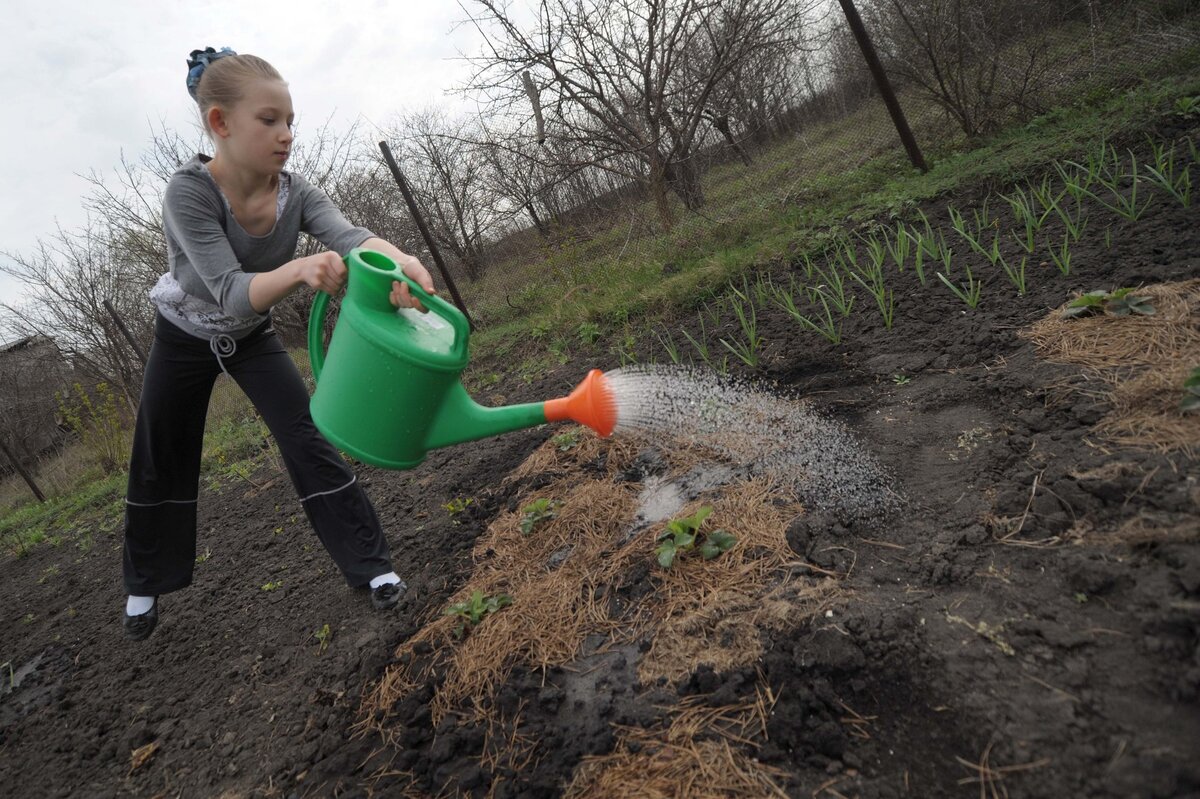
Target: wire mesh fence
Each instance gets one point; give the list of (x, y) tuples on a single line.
[(529, 212), (958, 69)]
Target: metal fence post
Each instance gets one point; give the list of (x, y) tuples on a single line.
[(885, 86)]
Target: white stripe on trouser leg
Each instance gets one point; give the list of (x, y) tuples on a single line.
[(332, 491)]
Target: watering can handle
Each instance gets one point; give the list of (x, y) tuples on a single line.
[(316, 329), (316, 321)]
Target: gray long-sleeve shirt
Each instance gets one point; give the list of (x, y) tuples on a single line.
[(213, 259)]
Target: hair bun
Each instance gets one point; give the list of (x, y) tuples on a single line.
[(198, 61)]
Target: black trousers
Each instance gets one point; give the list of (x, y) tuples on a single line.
[(164, 470)]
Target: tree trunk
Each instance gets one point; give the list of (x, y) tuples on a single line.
[(16, 462), (659, 184), (683, 178), (722, 125), (542, 230)]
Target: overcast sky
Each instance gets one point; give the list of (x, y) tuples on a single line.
[(83, 80)]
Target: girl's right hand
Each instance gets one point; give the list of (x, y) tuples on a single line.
[(322, 272)]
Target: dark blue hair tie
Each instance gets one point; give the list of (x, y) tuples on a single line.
[(199, 61)]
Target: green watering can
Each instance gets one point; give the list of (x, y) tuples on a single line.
[(389, 388)]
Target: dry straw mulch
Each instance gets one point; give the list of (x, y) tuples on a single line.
[(1142, 360), (562, 578), (701, 754)]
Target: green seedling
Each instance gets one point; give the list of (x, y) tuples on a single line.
[(565, 441), (1062, 256), (748, 346), (681, 535), (626, 349), (974, 236), (538, 511), (923, 244), (672, 349), (1165, 175), (1024, 209), (809, 266), (899, 246), (1122, 302), (1126, 205), (323, 636), (1191, 393), (700, 343), (472, 611), (1015, 274), (872, 279), (28, 618), (588, 332), (50, 571), (824, 325), (1188, 107), (968, 292), (273, 585), (458, 505), (901, 380)]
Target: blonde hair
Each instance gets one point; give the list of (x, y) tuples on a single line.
[(224, 82)]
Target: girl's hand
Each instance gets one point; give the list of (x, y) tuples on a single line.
[(401, 297), (323, 272)]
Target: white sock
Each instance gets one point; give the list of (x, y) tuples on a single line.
[(390, 577), (137, 605)]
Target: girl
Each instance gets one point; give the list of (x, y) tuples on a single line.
[(231, 224)]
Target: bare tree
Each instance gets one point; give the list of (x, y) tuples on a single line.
[(447, 169), (629, 81), (983, 63), (69, 277)]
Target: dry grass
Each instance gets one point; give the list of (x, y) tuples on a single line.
[(713, 612), (989, 777), (701, 754), (1143, 361), (564, 579)]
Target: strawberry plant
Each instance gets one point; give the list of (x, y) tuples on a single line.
[(1121, 302), (473, 610), (681, 534), (458, 505), (323, 636), (538, 511), (1191, 392), (565, 441)]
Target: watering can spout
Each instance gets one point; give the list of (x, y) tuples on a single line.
[(389, 388), (461, 419), (592, 403)]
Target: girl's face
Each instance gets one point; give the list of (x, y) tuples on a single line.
[(256, 134)]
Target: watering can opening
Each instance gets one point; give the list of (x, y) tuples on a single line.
[(389, 388)]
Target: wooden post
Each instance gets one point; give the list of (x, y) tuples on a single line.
[(37, 492), (885, 86), (420, 220)]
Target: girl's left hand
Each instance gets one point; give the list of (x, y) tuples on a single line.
[(401, 297)]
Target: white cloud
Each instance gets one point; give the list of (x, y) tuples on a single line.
[(84, 81)]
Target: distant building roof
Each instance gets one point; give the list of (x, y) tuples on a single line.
[(28, 341)]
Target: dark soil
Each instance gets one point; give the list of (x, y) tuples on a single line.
[(1062, 662)]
